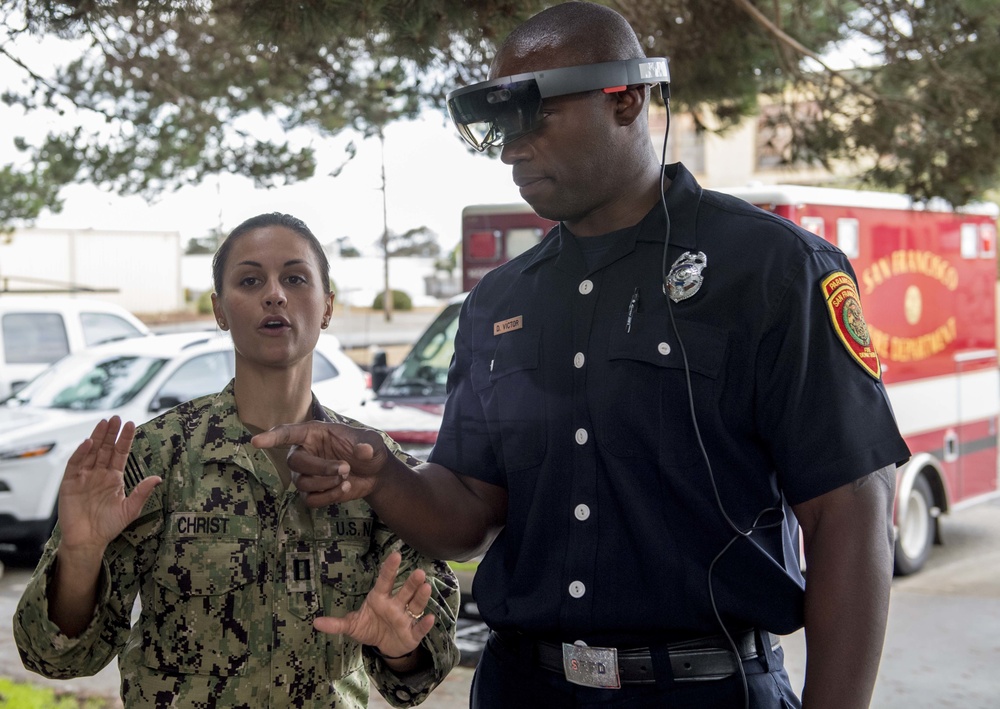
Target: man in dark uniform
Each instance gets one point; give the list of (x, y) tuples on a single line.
[(641, 411)]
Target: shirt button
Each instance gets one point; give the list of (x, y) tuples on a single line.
[(402, 694), (578, 360), (663, 348), (577, 589), (586, 287), (581, 436), (582, 512)]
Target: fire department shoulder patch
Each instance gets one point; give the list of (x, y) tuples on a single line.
[(848, 322)]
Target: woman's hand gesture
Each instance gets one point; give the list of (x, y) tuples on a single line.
[(93, 508), (395, 623)]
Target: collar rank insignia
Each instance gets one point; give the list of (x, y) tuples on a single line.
[(684, 278), (844, 306)]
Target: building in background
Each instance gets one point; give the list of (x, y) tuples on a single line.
[(757, 150), (138, 270)]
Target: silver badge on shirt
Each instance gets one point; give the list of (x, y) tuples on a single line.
[(684, 278)]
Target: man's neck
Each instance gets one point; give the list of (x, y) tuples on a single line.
[(628, 208)]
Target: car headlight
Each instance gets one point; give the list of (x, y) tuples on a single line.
[(26, 452)]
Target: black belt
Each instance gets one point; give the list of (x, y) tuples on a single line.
[(701, 659)]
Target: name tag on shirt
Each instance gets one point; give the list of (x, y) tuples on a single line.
[(509, 325)]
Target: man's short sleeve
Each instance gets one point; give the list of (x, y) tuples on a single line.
[(822, 407)]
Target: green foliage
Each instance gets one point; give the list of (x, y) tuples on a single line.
[(205, 303), (23, 196), (449, 262), (208, 244), (400, 301), (179, 87), (419, 241), (18, 695)]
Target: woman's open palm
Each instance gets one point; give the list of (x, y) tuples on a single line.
[(93, 507)]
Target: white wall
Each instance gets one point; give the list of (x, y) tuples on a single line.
[(142, 267), (357, 279)]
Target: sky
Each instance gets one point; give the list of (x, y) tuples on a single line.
[(430, 177)]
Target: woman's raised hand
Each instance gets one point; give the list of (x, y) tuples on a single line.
[(93, 507)]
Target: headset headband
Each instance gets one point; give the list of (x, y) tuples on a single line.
[(498, 111)]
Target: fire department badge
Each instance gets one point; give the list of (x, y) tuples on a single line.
[(848, 321)]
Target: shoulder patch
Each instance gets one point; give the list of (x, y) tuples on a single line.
[(135, 472), (844, 305)]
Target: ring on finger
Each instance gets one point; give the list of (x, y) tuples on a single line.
[(411, 614)]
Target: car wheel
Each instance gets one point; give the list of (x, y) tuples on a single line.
[(916, 530)]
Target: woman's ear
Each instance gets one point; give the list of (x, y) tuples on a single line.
[(220, 318), (328, 310)]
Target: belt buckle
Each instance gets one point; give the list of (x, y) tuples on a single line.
[(591, 666)]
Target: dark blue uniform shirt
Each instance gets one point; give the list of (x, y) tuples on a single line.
[(613, 521)]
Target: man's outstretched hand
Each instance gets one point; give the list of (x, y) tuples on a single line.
[(330, 462)]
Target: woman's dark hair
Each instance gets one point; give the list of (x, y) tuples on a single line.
[(266, 220)]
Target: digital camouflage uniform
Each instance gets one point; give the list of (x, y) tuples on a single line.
[(231, 570)]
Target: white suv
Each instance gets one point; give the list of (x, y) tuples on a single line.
[(35, 331), (136, 378)]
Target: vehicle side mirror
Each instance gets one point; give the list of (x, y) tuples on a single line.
[(379, 369), (163, 403)]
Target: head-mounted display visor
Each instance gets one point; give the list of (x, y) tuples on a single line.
[(496, 112)]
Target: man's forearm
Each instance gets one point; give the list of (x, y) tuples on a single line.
[(437, 512), (848, 579)]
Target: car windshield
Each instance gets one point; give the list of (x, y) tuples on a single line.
[(424, 371), (83, 383)]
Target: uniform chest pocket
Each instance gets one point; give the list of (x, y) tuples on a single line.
[(326, 572), (645, 403), (512, 391), (347, 573), (203, 606)]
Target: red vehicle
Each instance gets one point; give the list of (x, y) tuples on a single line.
[(493, 234), (927, 275)]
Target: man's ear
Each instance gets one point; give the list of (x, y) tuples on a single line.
[(631, 102)]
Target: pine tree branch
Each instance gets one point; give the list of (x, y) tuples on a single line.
[(794, 44)]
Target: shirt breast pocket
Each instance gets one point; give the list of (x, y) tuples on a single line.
[(645, 404), (347, 573), (513, 394), (203, 606)]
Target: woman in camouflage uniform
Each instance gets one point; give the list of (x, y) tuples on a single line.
[(231, 567)]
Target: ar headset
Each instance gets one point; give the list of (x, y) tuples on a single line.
[(494, 113)]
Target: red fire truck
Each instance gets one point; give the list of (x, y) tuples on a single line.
[(927, 275)]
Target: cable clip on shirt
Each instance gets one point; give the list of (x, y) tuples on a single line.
[(633, 307)]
